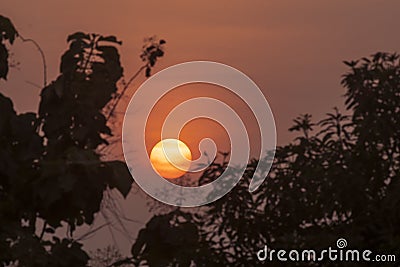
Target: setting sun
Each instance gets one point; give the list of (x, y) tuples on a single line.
[(168, 158)]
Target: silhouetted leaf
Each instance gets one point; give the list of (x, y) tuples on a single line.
[(120, 178), (77, 36), (112, 39), (3, 62)]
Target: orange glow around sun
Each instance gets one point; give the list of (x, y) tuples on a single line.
[(167, 151)]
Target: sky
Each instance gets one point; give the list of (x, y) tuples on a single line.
[(293, 50)]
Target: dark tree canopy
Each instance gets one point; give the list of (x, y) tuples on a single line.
[(50, 170), (71, 117), (339, 178)]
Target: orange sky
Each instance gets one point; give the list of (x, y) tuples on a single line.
[(291, 49)]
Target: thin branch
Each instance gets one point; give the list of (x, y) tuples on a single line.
[(41, 54), (110, 229), (43, 231), (33, 84), (118, 98), (91, 232)]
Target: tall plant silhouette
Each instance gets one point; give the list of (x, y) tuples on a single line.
[(51, 173)]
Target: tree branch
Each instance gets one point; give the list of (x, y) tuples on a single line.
[(43, 230), (118, 98), (41, 54)]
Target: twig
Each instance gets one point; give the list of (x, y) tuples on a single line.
[(43, 231), (91, 232), (41, 54), (118, 98), (33, 84)]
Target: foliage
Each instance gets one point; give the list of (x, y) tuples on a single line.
[(151, 51), (7, 33), (51, 172), (167, 240), (338, 178), (74, 177)]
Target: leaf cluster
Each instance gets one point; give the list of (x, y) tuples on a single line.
[(51, 173)]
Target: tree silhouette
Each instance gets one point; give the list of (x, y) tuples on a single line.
[(338, 178), (8, 33), (51, 172)]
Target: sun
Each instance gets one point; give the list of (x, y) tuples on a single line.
[(170, 158)]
